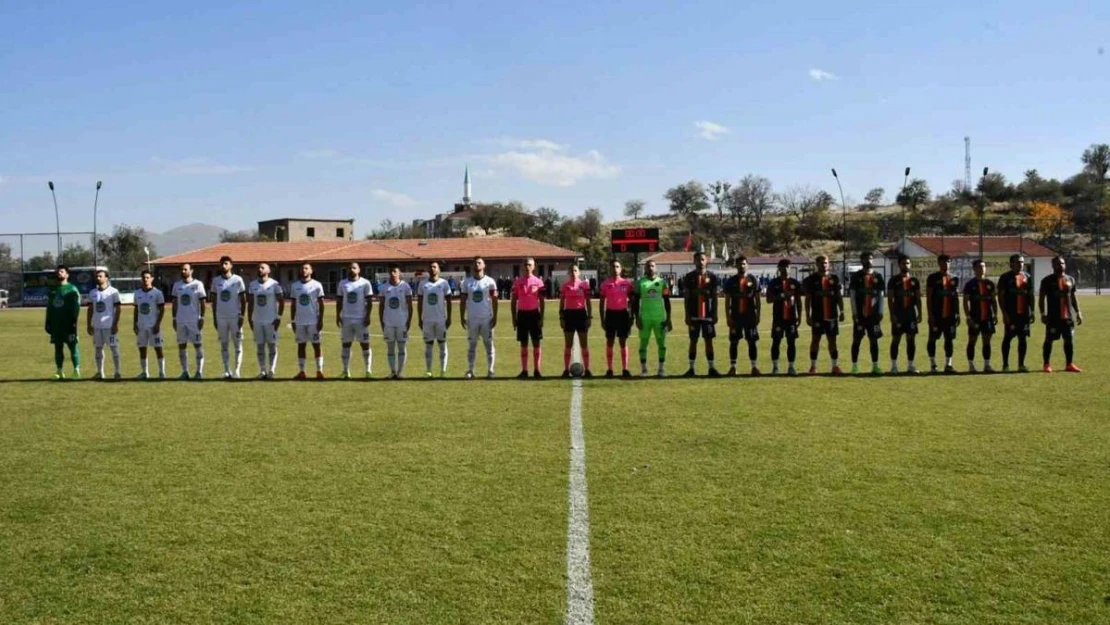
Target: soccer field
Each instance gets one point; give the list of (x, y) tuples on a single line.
[(927, 499)]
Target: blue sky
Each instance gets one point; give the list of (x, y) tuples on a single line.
[(228, 113)]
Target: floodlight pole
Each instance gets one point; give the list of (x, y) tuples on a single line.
[(982, 210), (905, 183), (57, 221), (96, 240), (843, 226)]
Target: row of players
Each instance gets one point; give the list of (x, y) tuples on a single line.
[(644, 303)]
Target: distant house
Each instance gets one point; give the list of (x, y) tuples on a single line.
[(964, 250), (297, 229)]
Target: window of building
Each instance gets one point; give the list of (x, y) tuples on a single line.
[(311, 232), (339, 234)]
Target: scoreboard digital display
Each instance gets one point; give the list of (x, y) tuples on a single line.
[(635, 240)]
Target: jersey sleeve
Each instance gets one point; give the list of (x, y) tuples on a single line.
[(174, 290), (201, 293)]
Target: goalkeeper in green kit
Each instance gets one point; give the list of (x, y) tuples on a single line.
[(63, 310), (651, 306)]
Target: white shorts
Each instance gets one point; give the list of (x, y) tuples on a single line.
[(307, 334), (435, 331), (479, 330), (147, 338), (265, 334), (354, 333), (103, 336), (228, 331), (188, 333), (395, 334)]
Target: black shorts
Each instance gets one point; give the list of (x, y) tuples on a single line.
[(945, 328), (575, 321), (1018, 326), (618, 324), (903, 324), (528, 326), (986, 328), (871, 327), (826, 328), (779, 330), (1059, 329), (746, 330), (702, 329)]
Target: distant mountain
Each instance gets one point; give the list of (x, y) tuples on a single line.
[(185, 238)]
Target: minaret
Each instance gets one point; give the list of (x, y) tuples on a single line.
[(466, 186)]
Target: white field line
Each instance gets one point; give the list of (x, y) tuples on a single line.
[(580, 587)]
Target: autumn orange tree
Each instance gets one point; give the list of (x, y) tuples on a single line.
[(1048, 218)]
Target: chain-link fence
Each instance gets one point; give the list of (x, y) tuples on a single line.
[(27, 261)]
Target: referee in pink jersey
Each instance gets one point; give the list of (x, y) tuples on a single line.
[(527, 304)]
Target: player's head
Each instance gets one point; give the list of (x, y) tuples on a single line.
[(649, 268), (700, 260), (1058, 265), (225, 265), (1017, 262), (904, 263), (101, 278), (479, 267), (742, 264), (353, 271), (979, 266), (186, 272), (433, 269), (784, 268), (865, 260), (529, 266), (821, 264), (394, 273), (61, 272), (615, 268), (573, 271), (306, 272), (263, 271), (944, 262), (147, 278)]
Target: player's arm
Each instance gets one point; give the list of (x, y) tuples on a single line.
[(714, 295), (967, 301), (250, 312), (242, 304), (758, 303), (929, 302), (420, 304), (728, 304), (543, 304), (796, 296), (368, 297), (279, 296), (320, 312), (493, 302), (512, 305), (215, 300), (1041, 298), (667, 306), (997, 301), (161, 313), (1075, 307), (853, 295), (338, 310), (381, 313), (201, 305), (447, 305), (807, 305), (463, 297), (88, 317), (173, 308), (135, 318), (994, 304), (589, 308), (117, 313), (889, 299), (408, 322), (840, 299), (293, 309)]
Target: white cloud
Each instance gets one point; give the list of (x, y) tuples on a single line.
[(546, 163), (320, 153), (820, 74), (397, 200), (1, 180), (710, 131), (198, 167), (531, 144)]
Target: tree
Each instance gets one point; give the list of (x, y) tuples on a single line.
[(124, 249), (77, 255), (386, 230), (687, 199), (1096, 161), (811, 209), (42, 261), (7, 262), (544, 224), (994, 187), (874, 198), (1034, 188), (719, 192), (634, 208), (915, 195), (1048, 218), (787, 234), (241, 236), (751, 201), (591, 223), (862, 236)]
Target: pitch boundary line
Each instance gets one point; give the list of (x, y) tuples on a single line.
[(580, 587)]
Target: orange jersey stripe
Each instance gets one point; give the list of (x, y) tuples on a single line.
[(907, 300), (826, 301), (1065, 305), (946, 300), (867, 295), (984, 305), (1020, 304)]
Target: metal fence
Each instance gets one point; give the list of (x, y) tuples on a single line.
[(27, 252)]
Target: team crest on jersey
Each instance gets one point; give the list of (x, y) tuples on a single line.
[(394, 303), (100, 307), (260, 300), (433, 299), (225, 296), (185, 299), (476, 296), (59, 301), (304, 299), (144, 308), (352, 297)]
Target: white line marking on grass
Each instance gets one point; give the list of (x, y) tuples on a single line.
[(580, 586)]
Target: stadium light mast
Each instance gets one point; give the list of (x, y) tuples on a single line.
[(905, 182), (96, 240), (57, 220), (843, 225), (982, 212)]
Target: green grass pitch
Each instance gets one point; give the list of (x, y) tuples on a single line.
[(929, 499)]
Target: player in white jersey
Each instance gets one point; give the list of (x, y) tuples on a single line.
[(433, 303), (188, 319), (265, 307), (150, 307), (395, 316), (103, 322), (352, 315), (308, 319), (229, 300), (478, 300)]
